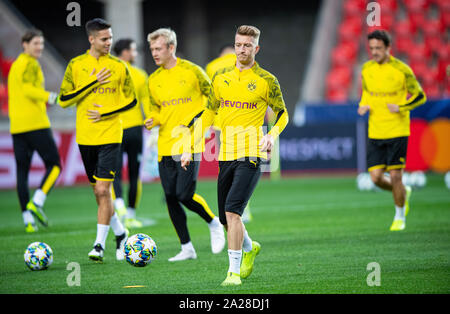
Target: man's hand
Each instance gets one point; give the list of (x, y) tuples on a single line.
[(103, 75), (266, 143), (393, 108), (185, 160), (148, 123), (94, 115), (363, 109)]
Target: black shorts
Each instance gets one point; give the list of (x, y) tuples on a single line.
[(100, 161), (236, 182), (176, 181), (387, 154)]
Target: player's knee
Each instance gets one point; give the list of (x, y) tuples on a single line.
[(396, 176), (232, 218), (101, 191), (377, 177)]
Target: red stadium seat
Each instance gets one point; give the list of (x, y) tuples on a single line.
[(444, 5), (420, 51), (419, 67), (354, 7), (445, 17), (344, 53), (417, 18), (416, 5), (4, 99), (442, 69), (388, 6), (337, 95), (432, 91), (5, 65), (387, 20), (444, 53), (431, 76), (435, 43), (339, 77), (350, 28), (433, 27), (404, 28), (403, 45)]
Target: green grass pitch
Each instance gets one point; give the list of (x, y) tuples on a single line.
[(318, 234)]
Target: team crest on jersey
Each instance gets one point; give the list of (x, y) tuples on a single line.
[(251, 86)]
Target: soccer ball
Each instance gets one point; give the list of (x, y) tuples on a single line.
[(38, 256), (364, 182), (417, 179), (447, 179), (140, 250)]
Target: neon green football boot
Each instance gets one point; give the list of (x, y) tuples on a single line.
[(231, 280), (249, 260), (397, 225), (38, 213), (408, 195)]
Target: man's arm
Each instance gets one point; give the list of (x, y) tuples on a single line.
[(28, 88), (70, 95), (152, 110), (129, 99), (199, 125), (413, 87), (363, 106), (276, 102)]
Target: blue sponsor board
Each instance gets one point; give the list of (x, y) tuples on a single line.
[(319, 147)]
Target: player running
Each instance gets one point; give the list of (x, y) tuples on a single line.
[(177, 92), (386, 82), (30, 127), (240, 97), (101, 87)]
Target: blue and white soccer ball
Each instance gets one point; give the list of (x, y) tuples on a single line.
[(140, 250), (38, 256)]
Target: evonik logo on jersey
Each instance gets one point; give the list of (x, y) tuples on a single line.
[(238, 104), (104, 90), (176, 101)]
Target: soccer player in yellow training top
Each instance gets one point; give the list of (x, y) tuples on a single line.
[(226, 58), (386, 82), (30, 127), (133, 121), (240, 96), (177, 92), (101, 87)]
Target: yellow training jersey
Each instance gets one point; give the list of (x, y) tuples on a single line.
[(176, 96), (80, 87), (224, 61), (26, 96), (389, 83), (240, 99), (135, 116)]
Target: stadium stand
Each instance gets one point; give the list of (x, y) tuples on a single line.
[(420, 31)]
